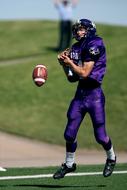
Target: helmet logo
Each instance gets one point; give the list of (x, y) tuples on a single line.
[(78, 22), (93, 24)]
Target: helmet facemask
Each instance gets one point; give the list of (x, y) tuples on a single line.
[(89, 27), (75, 29)]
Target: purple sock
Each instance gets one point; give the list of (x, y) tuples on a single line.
[(71, 147)]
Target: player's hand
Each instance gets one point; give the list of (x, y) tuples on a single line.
[(60, 59), (63, 57), (66, 60), (66, 52)]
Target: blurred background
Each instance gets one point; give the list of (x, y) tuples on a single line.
[(113, 12), (29, 30)]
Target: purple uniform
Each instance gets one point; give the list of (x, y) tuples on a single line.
[(89, 97)]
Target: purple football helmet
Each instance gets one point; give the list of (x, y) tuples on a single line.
[(84, 23)]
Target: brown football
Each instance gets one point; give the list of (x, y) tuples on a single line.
[(40, 74)]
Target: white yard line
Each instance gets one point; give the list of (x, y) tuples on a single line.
[(50, 175)]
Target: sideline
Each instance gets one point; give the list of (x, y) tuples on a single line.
[(50, 175), (20, 60), (39, 153)]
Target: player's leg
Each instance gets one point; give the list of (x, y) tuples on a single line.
[(75, 117), (68, 33), (61, 36), (108, 147), (97, 113)]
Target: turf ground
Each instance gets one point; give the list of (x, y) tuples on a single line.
[(90, 179)]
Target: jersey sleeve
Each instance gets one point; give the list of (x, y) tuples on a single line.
[(91, 53)]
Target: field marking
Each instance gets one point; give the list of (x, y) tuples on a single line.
[(50, 175)]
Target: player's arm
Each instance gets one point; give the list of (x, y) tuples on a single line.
[(61, 61), (71, 76), (57, 3), (83, 71), (74, 2)]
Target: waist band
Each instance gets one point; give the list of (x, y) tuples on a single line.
[(88, 83)]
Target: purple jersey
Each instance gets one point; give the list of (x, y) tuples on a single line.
[(92, 49), (89, 97)]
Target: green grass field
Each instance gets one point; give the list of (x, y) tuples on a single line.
[(40, 113), (87, 182)]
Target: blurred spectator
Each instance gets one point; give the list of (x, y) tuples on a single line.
[(65, 8)]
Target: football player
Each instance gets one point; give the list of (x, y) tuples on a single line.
[(85, 62)]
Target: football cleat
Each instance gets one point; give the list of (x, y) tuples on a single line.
[(2, 169), (60, 173), (109, 167)]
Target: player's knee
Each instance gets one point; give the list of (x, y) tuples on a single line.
[(70, 116), (69, 138)]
